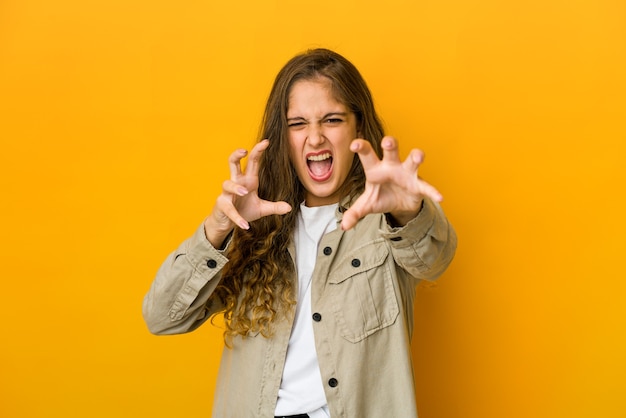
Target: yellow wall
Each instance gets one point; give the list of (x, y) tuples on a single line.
[(116, 119)]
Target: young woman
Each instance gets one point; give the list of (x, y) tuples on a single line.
[(312, 254)]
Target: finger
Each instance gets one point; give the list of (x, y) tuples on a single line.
[(255, 157), (366, 153), (274, 208), (226, 206), (352, 215), (234, 162), (414, 160), (429, 191), (234, 188), (350, 218), (390, 149)]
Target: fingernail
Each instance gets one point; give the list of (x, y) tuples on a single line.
[(241, 191), (244, 225)]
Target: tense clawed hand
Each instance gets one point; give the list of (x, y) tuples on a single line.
[(391, 186), (239, 202)]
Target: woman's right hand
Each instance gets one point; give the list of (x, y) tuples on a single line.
[(239, 202)]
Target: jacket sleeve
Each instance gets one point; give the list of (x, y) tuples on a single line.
[(425, 246), (179, 299)]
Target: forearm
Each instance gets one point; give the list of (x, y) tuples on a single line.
[(425, 245), (179, 299)]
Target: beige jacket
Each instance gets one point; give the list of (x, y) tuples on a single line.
[(362, 294)]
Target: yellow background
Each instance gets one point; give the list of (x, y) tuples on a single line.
[(116, 119)]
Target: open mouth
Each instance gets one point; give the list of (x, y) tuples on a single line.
[(320, 165)]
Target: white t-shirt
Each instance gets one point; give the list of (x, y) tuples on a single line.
[(301, 390)]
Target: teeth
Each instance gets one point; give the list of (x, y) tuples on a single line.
[(320, 157)]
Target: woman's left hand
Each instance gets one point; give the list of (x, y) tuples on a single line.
[(391, 186)]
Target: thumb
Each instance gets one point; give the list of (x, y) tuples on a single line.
[(350, 218), (274, 208)]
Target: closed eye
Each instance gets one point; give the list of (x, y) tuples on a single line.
[(295, 124)]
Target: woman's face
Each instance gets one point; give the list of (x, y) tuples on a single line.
[(320, 132)]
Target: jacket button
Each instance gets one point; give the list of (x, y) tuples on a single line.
[(332, 382), (317, 317), (356, 262), (328, 251), (211, 263)]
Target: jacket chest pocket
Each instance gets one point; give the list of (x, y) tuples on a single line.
[(362, 292)]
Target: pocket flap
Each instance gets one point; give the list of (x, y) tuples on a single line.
[(364, 258)]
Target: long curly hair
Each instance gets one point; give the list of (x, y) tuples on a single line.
[(258, 283)]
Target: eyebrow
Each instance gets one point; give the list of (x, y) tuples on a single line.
[(326, 116)]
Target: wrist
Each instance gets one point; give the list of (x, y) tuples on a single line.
[(216, 232), (400, 218)]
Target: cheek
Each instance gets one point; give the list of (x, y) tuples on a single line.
[(294, 148), (347, 156), (348, 160), (343, 142)]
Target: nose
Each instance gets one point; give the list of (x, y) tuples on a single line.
[(315, 135)]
